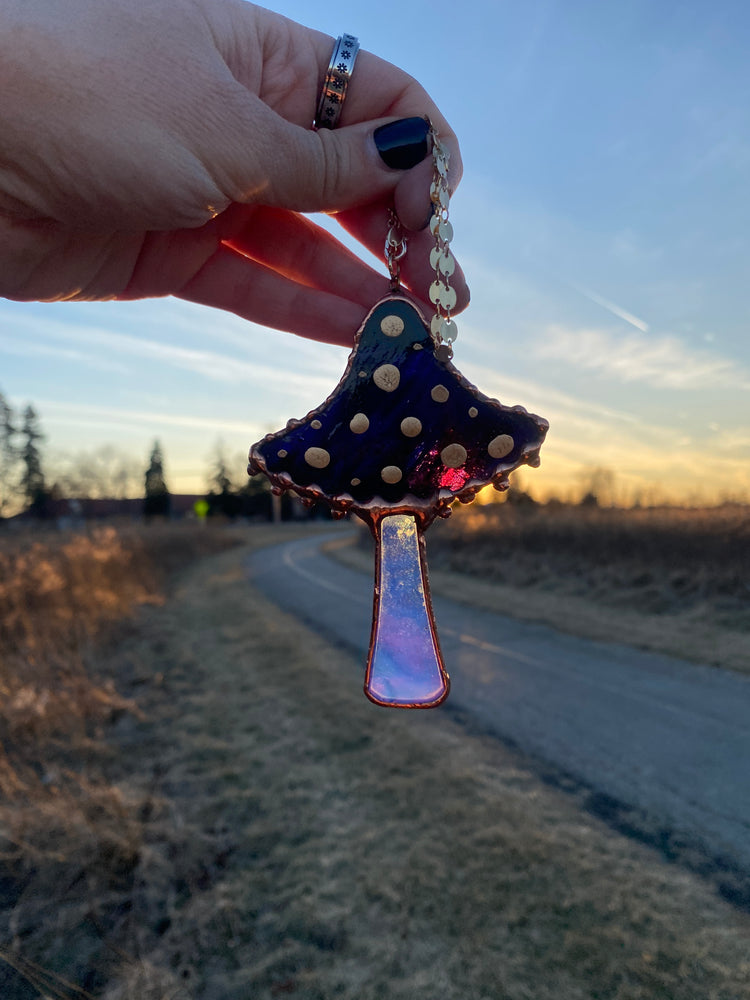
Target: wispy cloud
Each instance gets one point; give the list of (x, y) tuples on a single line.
[(735, 441), (209, 364), (84, 414), (33, 349), (661, 362), (612, 307), (553, 402)]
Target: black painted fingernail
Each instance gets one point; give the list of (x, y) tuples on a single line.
[(404, 143)]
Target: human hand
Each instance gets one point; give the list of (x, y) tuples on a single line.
[(165, 148)]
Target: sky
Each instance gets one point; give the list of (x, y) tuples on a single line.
[(603, 223)]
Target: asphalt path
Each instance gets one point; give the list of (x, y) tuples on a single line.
[(663, 741)]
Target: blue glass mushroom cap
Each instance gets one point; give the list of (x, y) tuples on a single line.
[(402, 431)]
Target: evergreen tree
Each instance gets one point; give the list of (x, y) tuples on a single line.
[(222, 497), (157, 501), (8, 455), (259, 503), (32, 477), (219, 481)]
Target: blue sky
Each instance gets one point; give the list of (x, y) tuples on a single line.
[(603, 223)]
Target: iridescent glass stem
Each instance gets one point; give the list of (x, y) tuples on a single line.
[(405, 668)]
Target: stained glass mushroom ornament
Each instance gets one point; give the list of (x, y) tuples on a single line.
[(399, 440)]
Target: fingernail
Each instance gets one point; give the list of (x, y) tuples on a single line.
[(404, 143)]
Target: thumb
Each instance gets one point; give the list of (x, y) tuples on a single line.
[(303, 170)]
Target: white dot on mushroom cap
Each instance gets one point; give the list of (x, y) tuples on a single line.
[(387, 377), (282, 453), (411, 427), (440, 394), (473, 412), (392, 326), (356, 482), (501, 446), (316, 425), (453, 456), (391, 474), (359, 423), (318, 458)]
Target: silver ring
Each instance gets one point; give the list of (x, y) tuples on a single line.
[(336, 81)]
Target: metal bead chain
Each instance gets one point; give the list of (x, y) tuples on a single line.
[(442, 296)]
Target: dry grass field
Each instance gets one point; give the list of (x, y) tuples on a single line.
[(198, 802), (61, 596), (676, 580)]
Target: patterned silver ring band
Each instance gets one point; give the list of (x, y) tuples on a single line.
[(336, 81)]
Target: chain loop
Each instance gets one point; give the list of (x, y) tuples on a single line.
[(395, 250), (442, 296)]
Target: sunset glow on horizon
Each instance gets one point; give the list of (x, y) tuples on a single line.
[(603, 224)]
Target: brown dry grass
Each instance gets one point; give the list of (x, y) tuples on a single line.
[(64, 599), (61, 595), (675, 580), (269, 833)]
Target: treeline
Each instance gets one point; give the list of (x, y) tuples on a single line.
[(27, 488), (250, 497), (107, 481), (22, 481)]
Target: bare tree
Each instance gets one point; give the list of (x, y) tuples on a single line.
[(106, 472), (598, 487)]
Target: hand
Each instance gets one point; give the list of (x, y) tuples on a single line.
[(165, 148)]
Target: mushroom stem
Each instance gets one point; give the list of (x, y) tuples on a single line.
[(405, 668)]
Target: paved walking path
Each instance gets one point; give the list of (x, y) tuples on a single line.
[(666, 737)]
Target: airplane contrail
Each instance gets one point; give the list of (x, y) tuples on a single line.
[(616, 310)]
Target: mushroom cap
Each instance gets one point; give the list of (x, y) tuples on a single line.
[(421, 418)]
